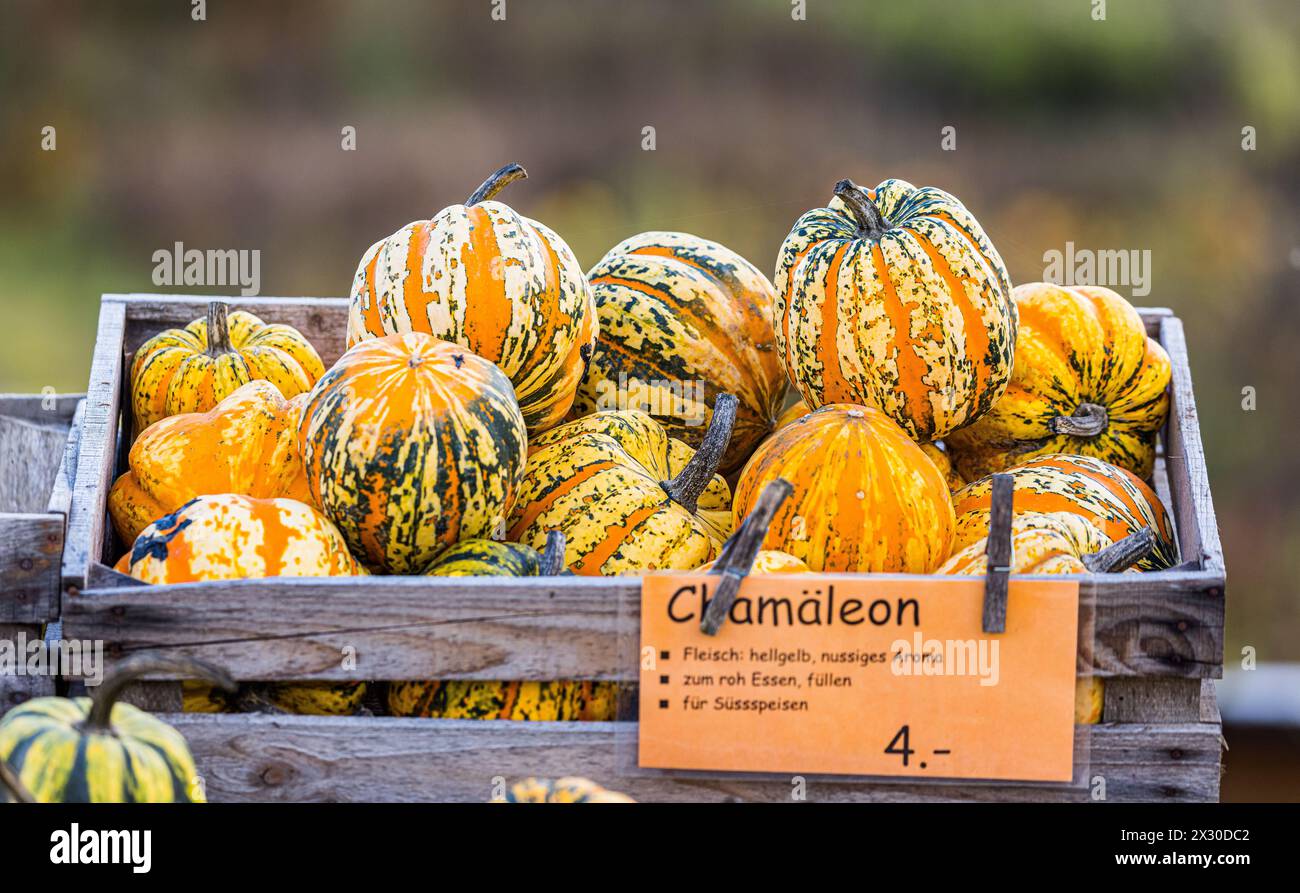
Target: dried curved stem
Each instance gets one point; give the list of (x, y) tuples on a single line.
[(553, 554), (871, 223), (219, 329), (134, 668), (9, 779), (495, 183), (1089, 420), (685, 489), (1123, 554)]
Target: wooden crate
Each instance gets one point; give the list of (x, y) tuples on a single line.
[(1159, 637), (38, 441)]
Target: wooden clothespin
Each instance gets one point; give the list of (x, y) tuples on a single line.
[(739, 551), (998, 550)]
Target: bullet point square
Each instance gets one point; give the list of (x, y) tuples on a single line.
[(663, 680), (663, 705), (663, 655)]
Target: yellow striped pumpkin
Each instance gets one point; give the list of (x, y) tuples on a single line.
[(486, 558), (771, 561), (247, 444), (1111, 498), (229, 537), (540, 701), (682, 320), (563, 790), (489, 279), (866, 498), (1088, 381), (1041, 543), (195, 368), (411, 444), (84, 750), (896, 298), (627, 497)]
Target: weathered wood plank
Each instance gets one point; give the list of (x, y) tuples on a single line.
[(1152, 699), (534, 628), (16, 689), (1189, 480), (253, 758), (34, 435), (97, 455)]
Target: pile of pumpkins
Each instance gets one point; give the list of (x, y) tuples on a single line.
[(888, 369)]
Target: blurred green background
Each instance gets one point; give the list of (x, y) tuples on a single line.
[(1124, 133)]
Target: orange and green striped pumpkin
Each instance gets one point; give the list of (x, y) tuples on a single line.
[(541, 701), (247, 443), (682, 320), (195, 368), (771, 561), (616, 485), (1041, 543), (865, 499), (489, 279), (411, 444), (97, 750), (895, 297), (229, 536), (1088, 381), (1113, 499)]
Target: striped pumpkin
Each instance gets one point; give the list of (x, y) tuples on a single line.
[(487, 558), (83, 750), (627, 497), (1111, 498), (542, 701), (1041, 543), (682, 320), (302, 698), (771, 561), (195, 368), (894, 297), (247, 443), (1088, 381), (563, 790), (489, 279), (866, 498), (411, 444), (229, 537)]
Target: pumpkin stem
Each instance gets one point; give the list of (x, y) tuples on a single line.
[(9, 778), (1123, 554), (553, 554), (495, 183), (133, 668), (739, 552), (685, 489), (871, 223), (218, 329), (1089, 420)]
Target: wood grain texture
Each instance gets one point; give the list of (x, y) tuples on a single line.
[(15, 689), (1148, 699), (97, 457), (256, 758), (535, 628), (34, 438)]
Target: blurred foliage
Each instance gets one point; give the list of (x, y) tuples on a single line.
[(1124, 133)]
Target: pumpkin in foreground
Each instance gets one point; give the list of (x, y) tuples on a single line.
[(96, 750), (627, 497), (247, 444), (1054, 543), (1111, 498), (894, 297), (195, 368), (866, 498), (493, 281), (682, 320), (562, 790), (412, 444), (1087, 381), (771, 561)]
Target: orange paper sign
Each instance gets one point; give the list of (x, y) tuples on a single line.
[(886, 676)]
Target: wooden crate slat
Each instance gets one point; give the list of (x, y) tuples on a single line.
[(254, 758), (1189, 480), (533, 628), (96, 460)]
